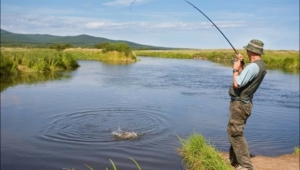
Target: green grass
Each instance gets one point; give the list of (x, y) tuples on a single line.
[(197, 154), (14, 60), (273, 58), (97, 54), (296, 150)]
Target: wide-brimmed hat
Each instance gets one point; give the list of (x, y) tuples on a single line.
[(255, 46)]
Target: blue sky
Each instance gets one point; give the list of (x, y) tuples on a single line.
[(168, 23)]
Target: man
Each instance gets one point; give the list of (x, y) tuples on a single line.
[(245, 83)]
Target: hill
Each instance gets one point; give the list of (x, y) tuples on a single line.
[(9, 39)]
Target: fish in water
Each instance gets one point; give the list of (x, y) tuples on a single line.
[(120, 134)]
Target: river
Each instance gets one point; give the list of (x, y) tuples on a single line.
[(67, 120)]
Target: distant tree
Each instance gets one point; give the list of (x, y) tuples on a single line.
[(60, 47)]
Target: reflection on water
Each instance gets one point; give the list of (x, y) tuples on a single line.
[(31, 78), (286, 70)]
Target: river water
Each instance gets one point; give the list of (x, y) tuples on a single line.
[(67, 120)]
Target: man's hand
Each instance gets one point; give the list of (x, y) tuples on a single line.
[(238, 62), (238, 65), (239, 57)]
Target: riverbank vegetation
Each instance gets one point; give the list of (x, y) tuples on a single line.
[(106, 52), (285, 59), (58, 58), (197, 154), (14, 60)]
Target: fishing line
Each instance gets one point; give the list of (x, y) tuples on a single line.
[(130, 16), (232, 60), (213, 25)]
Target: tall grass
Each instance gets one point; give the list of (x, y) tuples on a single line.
[(273, 58), (34, 60), (97, 54), (14, 60), (199, 155)]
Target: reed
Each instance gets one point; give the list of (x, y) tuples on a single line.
[(198, 155), (286, 59), (98, 54), (14, 60)]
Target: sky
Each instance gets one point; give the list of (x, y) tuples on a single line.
[(166, 23)]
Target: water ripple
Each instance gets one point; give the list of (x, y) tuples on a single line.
[(94, 126)]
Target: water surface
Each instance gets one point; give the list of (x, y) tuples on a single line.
[(68, 122)]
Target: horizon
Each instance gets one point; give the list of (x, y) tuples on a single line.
[(150, 45), (159, 23)]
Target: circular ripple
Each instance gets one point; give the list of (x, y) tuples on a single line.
[(97, 125)]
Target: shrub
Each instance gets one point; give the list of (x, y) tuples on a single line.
[(101, 45), (119, 47), (60, 47)]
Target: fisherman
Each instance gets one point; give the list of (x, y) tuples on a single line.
[(245, 83)]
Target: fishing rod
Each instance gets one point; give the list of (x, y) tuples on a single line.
[(232, 60), (213, 25), (131, 4)]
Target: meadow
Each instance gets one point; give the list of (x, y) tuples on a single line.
[(283, 59)]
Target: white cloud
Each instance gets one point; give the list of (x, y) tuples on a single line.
[(95, 24)]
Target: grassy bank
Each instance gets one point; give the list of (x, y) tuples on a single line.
[(15, 60), (198, 155), (97, 54), (273, 58)]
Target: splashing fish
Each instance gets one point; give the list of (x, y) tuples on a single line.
[(120, 134)]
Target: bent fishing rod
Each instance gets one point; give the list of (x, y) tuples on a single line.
[(232, 60)]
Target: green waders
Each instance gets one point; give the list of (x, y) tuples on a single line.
[(239, 153)]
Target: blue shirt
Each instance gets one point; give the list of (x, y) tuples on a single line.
[(249, 72)]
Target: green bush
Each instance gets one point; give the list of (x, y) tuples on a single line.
[(119, 47), (101, 45), (60, 47)]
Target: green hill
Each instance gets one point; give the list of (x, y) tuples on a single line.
[(9, 39)]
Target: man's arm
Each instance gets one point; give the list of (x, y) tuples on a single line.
[(235, 74), (237, 68)]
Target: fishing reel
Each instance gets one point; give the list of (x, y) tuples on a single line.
[(234, 60)]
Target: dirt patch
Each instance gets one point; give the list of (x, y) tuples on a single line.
[(284, 162)]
